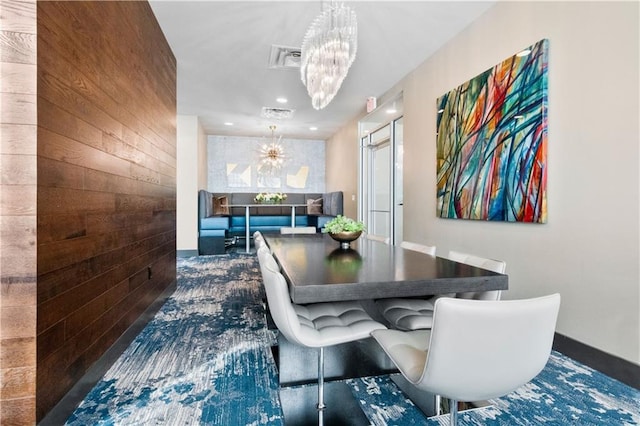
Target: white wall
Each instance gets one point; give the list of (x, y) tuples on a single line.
[(190, 177), (589, 249), (203, 164)]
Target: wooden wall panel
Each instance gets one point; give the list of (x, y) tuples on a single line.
[(106, 181), (18, 212)]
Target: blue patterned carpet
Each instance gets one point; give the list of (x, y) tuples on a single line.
[(205, 359)]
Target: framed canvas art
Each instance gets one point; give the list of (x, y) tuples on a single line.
[(492, 142)]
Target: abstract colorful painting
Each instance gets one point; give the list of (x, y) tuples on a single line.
[(492, 142)]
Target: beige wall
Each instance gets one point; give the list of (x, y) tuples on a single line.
[(342, 161), (589, 249)]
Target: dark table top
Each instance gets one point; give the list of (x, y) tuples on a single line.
[(318, 270)]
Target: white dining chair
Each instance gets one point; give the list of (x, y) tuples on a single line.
[(430, 250), (414, 314), (258, 240), (315, 325), (298, 230), (498, 266), (477, 349), (378, 238)]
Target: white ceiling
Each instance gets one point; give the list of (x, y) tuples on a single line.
[(222, 49)]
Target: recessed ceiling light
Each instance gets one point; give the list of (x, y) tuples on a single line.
[(313, 128), (525, 52), (281, 100), (228, 123)]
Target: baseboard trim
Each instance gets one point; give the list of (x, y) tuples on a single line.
[(67, 405), (617, 368), (186, 253)]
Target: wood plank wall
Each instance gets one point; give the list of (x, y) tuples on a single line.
[(106, 196), (18, 212)]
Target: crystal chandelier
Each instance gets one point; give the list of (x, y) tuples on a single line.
[(328, 50), (271, 155)]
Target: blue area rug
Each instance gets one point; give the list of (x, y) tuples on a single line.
[(205, 359), (564, 393)]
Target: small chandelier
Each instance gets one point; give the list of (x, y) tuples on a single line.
[(328, 50), (271, 155)]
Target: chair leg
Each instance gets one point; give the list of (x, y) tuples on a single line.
[(453, 412), (321, 405), (437, 402)]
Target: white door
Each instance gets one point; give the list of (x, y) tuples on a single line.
[(380, 183), (380, 191)]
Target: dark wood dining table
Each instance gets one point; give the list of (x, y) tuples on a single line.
[(318, 270)]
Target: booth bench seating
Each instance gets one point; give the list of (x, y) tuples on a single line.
[(218, 223)]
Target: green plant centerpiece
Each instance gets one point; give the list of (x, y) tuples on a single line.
[(344, 230), (270, 198)]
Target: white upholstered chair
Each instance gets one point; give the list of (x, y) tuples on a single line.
[(403, 313), (258, 240), (498, 266), (415, 314), (314, 325), (430, 250), (298, 230), (476, 350), (378, 238)]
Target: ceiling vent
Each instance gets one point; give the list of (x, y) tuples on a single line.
[(277, 113), (282, 57)]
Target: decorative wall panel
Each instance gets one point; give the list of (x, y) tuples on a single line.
[(106, 181), (234, 165)]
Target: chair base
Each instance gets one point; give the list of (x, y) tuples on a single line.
[(297, 365), (426, 402), (430, 404), (299, 405)]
